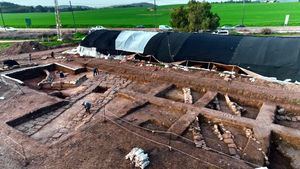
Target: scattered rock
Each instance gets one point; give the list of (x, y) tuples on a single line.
[(226, 135), (232, 146), (281, 111), (232, 151), (228, 141)]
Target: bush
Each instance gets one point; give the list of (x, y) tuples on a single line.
[(266, 31)]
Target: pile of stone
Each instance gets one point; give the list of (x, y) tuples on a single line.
[(281, 115), (138, 157), (226, 136), (235, 108), (228, 76), (197, 136), (188, 98)]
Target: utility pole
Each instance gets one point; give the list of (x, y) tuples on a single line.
[(2, 16), (73, 16), (58, 21), (243, 16), (155, 13)]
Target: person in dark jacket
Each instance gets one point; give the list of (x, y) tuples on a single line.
[(87, 105), (95, 72)]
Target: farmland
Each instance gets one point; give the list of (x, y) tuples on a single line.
[(256, 14)]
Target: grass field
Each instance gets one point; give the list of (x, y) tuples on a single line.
[(256, 14)]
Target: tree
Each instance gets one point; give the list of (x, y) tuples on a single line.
[(196, 16), (179, 18)]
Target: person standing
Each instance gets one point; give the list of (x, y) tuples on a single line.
[(29, 58), (52, 54), (95, 71)]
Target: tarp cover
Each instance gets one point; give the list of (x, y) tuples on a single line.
[(133, 41), (269, 56), (209, 48), (165, 46), (272, 56), (103, 40)]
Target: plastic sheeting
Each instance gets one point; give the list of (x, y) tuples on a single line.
[(165, 46), (133, 41), (268, 56), (103, 41), (86, 51), (272, 56), (209, 48)]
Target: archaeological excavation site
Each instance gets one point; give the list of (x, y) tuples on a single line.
[(151, 105)]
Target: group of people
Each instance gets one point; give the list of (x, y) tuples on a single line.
[(86, 104)]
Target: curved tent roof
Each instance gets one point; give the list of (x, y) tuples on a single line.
[(133, 41), (209, 48), (103, 40), (271, 56), (268, 56), (165, 46)]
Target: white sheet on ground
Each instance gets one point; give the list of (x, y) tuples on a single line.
[(133, 41)]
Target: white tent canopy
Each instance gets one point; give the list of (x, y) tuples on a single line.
[(133, 41)]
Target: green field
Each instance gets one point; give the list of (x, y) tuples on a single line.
[(257, 14)]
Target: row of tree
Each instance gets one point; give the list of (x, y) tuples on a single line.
[(8, 7)]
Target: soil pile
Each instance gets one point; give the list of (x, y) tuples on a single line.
[(25, 47)]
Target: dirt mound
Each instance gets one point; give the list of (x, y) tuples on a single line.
[(25, 47)]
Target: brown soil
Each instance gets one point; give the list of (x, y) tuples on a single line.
[(148, 97), (105, 149), (24, 47)]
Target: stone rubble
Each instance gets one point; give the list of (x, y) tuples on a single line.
[(138, 157), (188, 98), (227, 138), (197, 136), (250, 135), (235, 108), (281, 115), (228, 76)]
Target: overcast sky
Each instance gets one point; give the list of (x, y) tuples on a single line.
[(98, 3)]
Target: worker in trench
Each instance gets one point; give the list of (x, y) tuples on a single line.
[(87, 105), (95, 71), (52, 54), (29, 58)]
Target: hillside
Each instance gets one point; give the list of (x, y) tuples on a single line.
[(8, 7), (256, 14), (142, 4)]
